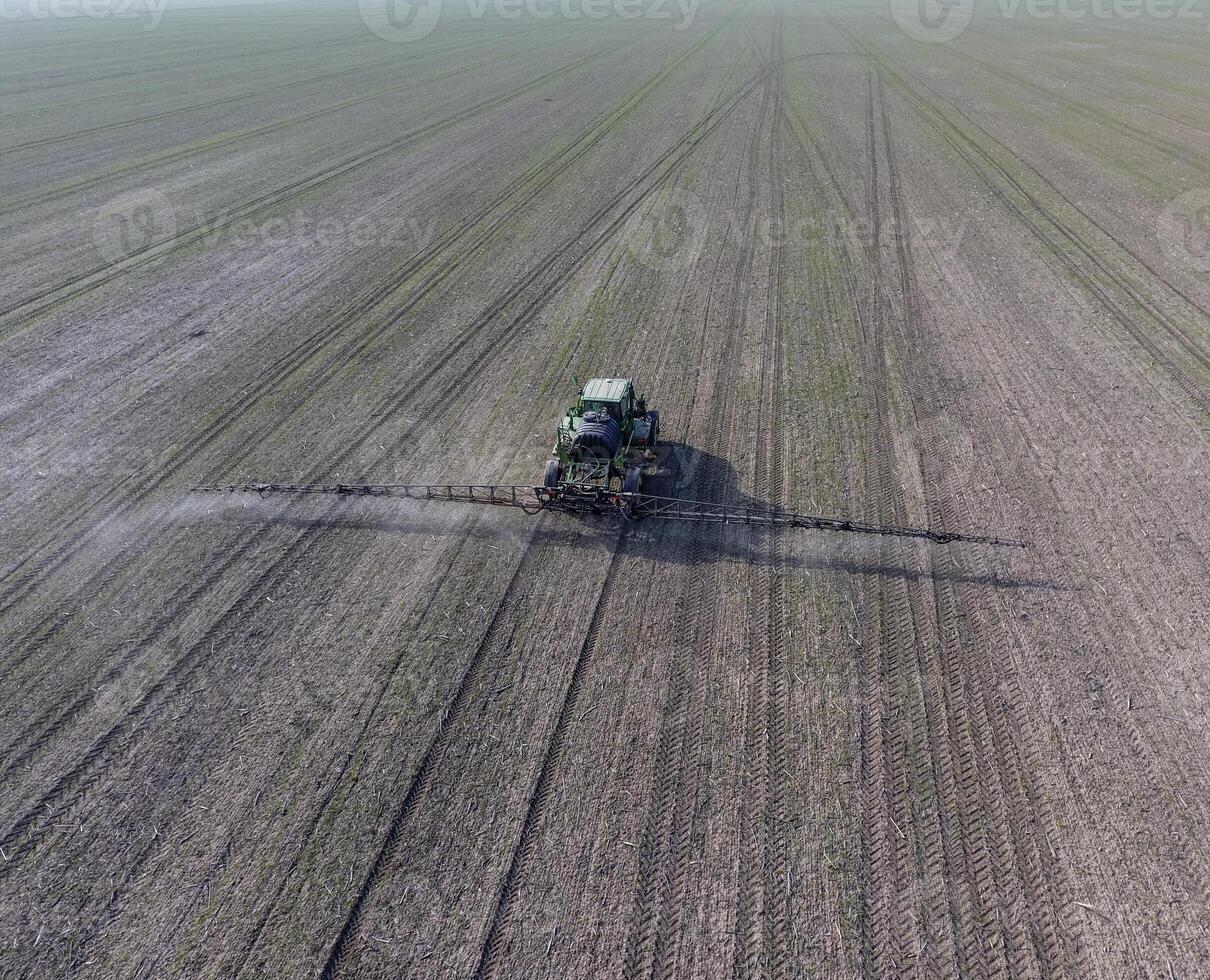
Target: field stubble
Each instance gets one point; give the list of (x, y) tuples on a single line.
[(360, 739)]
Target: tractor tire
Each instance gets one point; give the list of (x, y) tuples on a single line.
[(634, 480), (654, 437), (552, 474)]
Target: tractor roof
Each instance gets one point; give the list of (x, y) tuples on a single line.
[(606, 389)]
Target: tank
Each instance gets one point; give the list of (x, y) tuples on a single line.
[(598, 435)]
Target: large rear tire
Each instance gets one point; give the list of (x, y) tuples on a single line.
[(552, 474)]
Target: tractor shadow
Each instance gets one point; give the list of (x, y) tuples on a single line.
[(691, 473)]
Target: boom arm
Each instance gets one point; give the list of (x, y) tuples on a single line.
[(591, 499)]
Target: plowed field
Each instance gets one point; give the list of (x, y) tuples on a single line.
[(858, 274)]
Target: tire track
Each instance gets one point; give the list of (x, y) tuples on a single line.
[(352, 40), (61, 138), (543, 174), (963, 818), (22, 314), (778, 885), (993, 817), (903, 791), (655, 177), (681, 727), (954, 814), (970, 894), (1188, 345), (895, 628), (1074, 253), (431, 758), (685, 146), (1035, 937), (1153, 141), (506, 908), (893, 725), (298, 358), (139, 852), (227, 100), (43, 726), (961, 814), (179, 153), (762, 902), (1153, 274), (52, 624), (108, 96), (657, 925), (495, 949), (68, 789), (491, 954), (504, 920), (672, 805), (281, 565)]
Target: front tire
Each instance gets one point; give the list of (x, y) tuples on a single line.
[(552, 474), (653, 436), (634, 480)]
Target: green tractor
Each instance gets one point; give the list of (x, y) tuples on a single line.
[(606, 440)]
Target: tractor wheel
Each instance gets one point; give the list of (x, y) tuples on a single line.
[(552, 473), (654, 436), (634, 480)]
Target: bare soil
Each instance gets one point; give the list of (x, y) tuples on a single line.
[(858, 274)]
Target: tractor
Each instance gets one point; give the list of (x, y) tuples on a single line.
[(606, 440), (606, 450)]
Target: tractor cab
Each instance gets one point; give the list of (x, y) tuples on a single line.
[(614, 396)]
